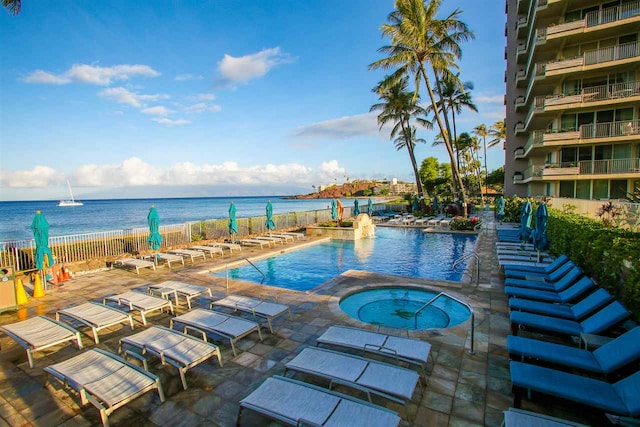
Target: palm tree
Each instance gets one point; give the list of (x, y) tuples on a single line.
[(498, 133), (398, 106), (13, 6), (481, 131), (418, 39)]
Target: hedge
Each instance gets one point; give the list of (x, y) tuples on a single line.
[(609, 255)]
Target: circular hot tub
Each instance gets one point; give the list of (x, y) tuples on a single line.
[(404, 308)]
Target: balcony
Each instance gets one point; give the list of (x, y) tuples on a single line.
[(629, 167), (595, 19), (620, 129), (617, 53), (518, 153)]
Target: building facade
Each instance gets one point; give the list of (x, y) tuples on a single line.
[(572, 98)]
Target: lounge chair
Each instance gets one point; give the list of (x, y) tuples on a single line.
[(144, 303), (504, 263), (104, 379), (254, 242), (518, 418), (436, 220), (372, 377), (602, 320), (445, 222), (169, 258), (222, 325), (136, 263), (412, 351), (274, 240), (504, 259), (576, 312), (208, 249), (605, 360), (189, 253), (231, 246), (569, 295), (299, 404), (620, 398), (264, 309), (299, 236), (39, 333), (523, 271), (285, 237), (550, 278), (423, 220), (175, 348), (186, 290), (96, 316), (564, 277)]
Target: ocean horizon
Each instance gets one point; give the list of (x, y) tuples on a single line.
[(117, 214)]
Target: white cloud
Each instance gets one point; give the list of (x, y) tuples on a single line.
[(90, 74), (201, 107), (122, 95), (172, 122), (240, 70), (38, 177), (187, 77), (488, 99), (158, 111), (343, 128), (202, 97)]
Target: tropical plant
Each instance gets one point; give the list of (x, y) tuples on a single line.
[(498, 133), (481, 132), (399, 106), (13, 6), (419, 39)]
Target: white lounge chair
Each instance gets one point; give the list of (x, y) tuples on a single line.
[(273, 240), (104, 379), (412, 351), (372, 377), (136, 263), (423, 220), (168, 258), (144, 303), (211, 250), (231, 246), (254, 242), (96, 316), (299, 404), (172, 347), (38, 333), (446, 222), (189, 253), (436, 220), (186, 290), (264, 309), (285, 237), (299, 236), (228, 327)]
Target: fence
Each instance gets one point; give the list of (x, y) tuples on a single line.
[(19, 254)]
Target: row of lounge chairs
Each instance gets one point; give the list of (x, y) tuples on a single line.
[(559, 300), (109, 381), (428, 221)]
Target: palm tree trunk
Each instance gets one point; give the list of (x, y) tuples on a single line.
[(414, 164), (486, 173), (455, 135), (445, 136)]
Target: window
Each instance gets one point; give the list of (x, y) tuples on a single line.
[(568, 157), (583, 190), (567, 189), (600, 189), (618, 189)]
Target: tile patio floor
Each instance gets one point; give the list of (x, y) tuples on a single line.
[(462, 389)]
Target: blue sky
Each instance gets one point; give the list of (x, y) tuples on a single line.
[(208, 98)]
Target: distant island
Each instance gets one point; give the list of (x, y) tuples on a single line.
[(360, 188)]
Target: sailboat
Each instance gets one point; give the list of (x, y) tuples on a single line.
[(71, 202)]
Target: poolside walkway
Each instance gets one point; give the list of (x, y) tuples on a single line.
[(463, 389)]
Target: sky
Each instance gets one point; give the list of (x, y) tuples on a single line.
[(211, 98)]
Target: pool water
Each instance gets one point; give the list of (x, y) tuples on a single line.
[(404, 252), (397, 308)]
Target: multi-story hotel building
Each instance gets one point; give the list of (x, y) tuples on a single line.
[(573, 98)]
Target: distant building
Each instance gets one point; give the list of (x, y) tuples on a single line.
[(395, 187)]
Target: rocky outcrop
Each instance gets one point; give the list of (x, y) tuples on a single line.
[(345, 190)]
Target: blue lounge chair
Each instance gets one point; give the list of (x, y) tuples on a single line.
[(577, 312), (604, 360), (620, 398), (602, 320), (553, 276), (562, 259), (570, 294), (566, 279)]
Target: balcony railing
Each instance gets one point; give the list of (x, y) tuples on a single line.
[(610, 130), (612, 14), (609, 167), (612, 53)]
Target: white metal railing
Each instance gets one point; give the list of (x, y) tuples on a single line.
[(611, 129), (611, 53), (609, 166), (612, 14)]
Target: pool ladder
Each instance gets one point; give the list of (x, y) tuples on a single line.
[(465, 257), (432, 300), (226, 271)]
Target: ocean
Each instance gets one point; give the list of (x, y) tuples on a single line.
[(117, 214)]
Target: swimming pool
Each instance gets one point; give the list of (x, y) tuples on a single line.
[(400, 307), (404, 252)]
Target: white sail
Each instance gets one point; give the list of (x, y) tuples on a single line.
[(71, 202)]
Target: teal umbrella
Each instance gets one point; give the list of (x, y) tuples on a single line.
[(540, 241), (416, 204), (370, 207), (435, 204), (269, 223), (153, 219), (500, 208), (356, 208), (525, 221), (233, 226), (40, 228), (334, 210)]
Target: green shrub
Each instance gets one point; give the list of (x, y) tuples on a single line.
[(610, 256)]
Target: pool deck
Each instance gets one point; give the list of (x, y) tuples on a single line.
[(462, 389)]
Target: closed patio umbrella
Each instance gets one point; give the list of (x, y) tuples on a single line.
[(155, 239), (334, 210), (40, 229), (356, 208), (540, 240), (435, 204), (233, 226), (500, 208), (370, 207), (416, 204), (525, 221), (269, 222)]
